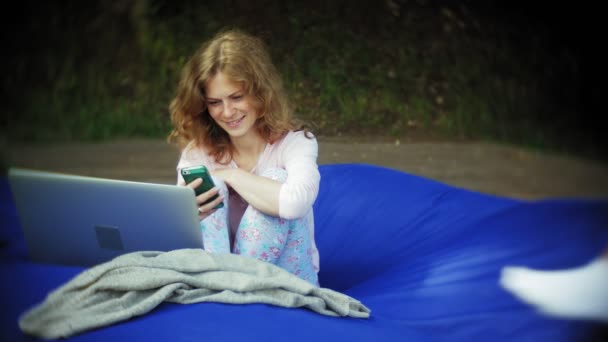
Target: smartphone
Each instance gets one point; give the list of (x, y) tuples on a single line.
[(194, 172)]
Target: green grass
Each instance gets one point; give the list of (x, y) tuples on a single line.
[(350, 69)]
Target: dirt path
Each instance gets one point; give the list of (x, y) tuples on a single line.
[(483, 167)]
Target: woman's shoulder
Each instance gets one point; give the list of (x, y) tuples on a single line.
[(296, 142), (297, 136), (195, 154), (194, 148)]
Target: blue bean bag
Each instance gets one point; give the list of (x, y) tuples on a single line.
[(424, 256)]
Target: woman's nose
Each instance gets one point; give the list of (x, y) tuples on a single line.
[(228, 108)]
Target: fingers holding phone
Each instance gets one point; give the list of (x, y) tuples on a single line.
[(208, 202), (194, 184), (208, 198)]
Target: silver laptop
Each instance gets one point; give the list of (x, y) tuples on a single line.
[(84, 221)]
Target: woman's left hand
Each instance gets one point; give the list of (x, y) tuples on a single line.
[(227, 175), (260, 192)]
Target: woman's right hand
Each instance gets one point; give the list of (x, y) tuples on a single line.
[(207, 209)]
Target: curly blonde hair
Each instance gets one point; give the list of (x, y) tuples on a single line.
[(245, 60)]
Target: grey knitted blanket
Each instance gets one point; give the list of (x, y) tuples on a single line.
[(135, 283)]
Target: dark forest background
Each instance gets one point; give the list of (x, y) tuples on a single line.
[(503, 71)]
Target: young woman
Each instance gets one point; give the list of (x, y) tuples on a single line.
[(232, 115)]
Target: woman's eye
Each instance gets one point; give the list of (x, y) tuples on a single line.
[(213, 103), (237, 97)]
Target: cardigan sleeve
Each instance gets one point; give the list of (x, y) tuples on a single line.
[(300, 190)]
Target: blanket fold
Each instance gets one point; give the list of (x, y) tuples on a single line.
[(135, 283)]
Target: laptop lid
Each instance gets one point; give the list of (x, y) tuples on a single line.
[(75, 220)]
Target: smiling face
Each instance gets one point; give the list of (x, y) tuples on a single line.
[(230, 106)]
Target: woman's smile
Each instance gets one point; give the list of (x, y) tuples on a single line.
[(234, 124)]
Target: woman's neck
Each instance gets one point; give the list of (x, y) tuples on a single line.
[(248, 146)]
